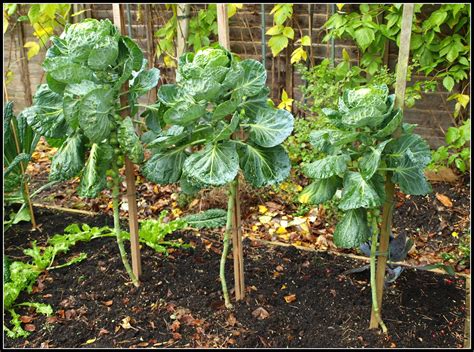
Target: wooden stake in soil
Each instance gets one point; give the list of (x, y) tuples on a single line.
[(387, 215), (223, 30), (129, 170), (147, 17), (467, 324), (182, 15)]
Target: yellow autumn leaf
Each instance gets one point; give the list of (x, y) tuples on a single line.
[(304, 198), (232, 9), (299, 188), (281, 230), (340, 6), (262, 209), (345, 55), (254, 228), (90, 341), (304, 227), (169, 62), (455, 234), (33, 49), (5, 23), (176, 212)]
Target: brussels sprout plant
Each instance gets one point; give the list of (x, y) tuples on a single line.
[(85, 70), (218, 109), (360, 156)]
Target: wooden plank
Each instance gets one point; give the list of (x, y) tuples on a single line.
[(129, 169), (237, 251)]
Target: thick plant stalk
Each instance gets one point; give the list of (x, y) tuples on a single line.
[(373, 283), (225, 249), (115, 202), (403, 55)]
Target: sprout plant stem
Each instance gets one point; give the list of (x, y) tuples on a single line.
[(115, 202), (373, 283), (225, 249)]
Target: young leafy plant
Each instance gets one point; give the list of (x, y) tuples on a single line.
[(85, 70), (19, 143), (359, 151), (218, 108)]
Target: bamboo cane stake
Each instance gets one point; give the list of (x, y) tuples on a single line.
[(129, 170), (182, 16), (387, 215), (147, 16), (223, 32)]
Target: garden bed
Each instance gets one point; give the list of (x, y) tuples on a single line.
[(294, 298)]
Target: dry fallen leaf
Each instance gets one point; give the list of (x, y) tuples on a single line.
[(444, 200), (90, 341), (290, 298), (231, 320), (26, 319), (108, 303), (260, 313), (262, 209), (30, 327), (126, 323)]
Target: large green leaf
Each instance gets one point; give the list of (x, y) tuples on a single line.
[(410, 177), (63, 70), (134, 52), (251, 105), (224, 109), (370, 161), (93, 178), (216, 165), (271, 127), (68, 160), (363, 116), (104, 53), (168, 94), (394, 121), (46, 116), (73, 95), (253, 78), (144, 81), (184, 113), (264, 166), (327, 167), (417, 146), (165, 167), (205, 88), (95, 109), (320, 191), (226, 129), (352, 230), (359, 193), (129, 141)]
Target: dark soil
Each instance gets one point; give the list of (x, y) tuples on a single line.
[(431, 224), (179, 302)]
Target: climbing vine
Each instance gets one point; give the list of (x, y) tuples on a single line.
[(440, 43)]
